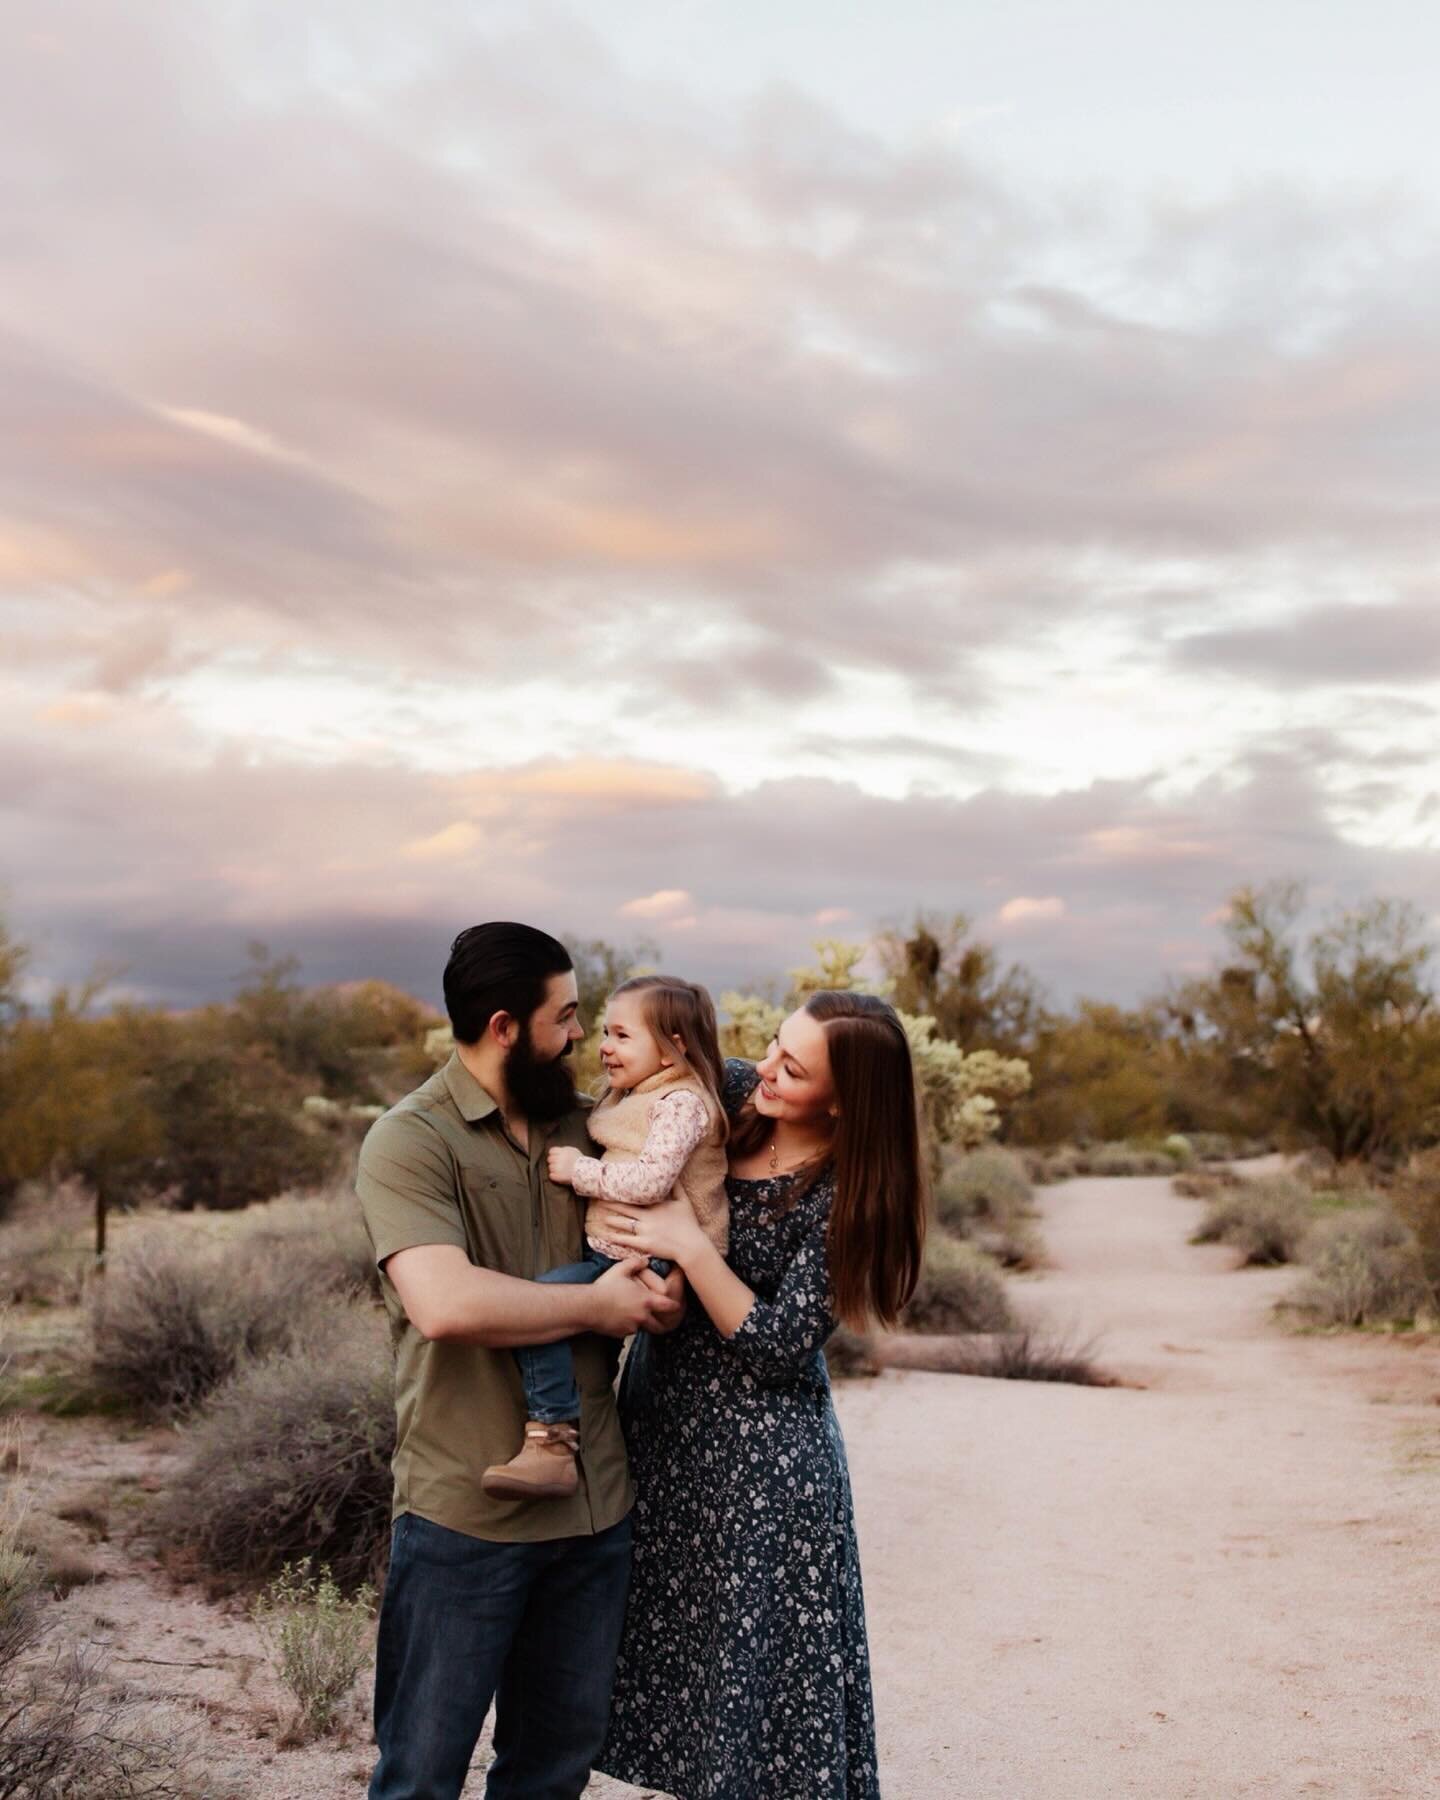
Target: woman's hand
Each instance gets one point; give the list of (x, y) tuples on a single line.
[(562, 1159), (669, 1230)]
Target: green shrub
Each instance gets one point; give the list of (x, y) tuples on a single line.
[(233, 1128), (1365, 1269), (318, 1641), (960, 1290), (1180, 1150), (292, 1459), (1266, 1220), (171, 1321)]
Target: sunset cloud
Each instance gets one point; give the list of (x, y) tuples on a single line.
[(1024, 909), (757, 523)]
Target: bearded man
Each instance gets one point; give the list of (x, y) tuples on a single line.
[(519, 1601)]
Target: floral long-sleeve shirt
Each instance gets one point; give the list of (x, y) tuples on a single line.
[(678, 1125)]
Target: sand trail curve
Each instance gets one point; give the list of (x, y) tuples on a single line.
[(1223, 1582)]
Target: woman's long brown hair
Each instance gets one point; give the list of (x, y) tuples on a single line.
[(876, 1234)]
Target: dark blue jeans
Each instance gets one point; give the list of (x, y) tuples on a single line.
[(536, 1627), (548, 1370)]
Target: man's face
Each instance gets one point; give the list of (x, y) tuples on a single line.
[(555, 1023), (537, 1071)]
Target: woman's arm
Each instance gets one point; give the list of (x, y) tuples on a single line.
[(773, 1338)]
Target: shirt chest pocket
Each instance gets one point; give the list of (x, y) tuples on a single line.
[(499, 1222)]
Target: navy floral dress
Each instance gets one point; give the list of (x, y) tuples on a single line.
[(744, 1672)]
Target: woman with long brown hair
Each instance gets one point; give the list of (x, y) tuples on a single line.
[(744, 1672)]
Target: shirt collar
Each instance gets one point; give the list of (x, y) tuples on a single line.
[(475, 1102)]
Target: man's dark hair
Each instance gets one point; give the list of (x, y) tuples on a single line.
[(499, 967)]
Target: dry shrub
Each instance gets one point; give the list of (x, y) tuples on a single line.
[(1029, 1354), (1204, 1184), (1063, 1162), (45, 1258), (1365, 1268), (849, 1355), (171, 1321), (1057, 1162), (292, 1459), (319, 1239), (985, 1195), (1266, 1220), (21, 1582), (960, 1290), (1416, 1199), (318, 1641), (68, 1733), (1126, 1159)]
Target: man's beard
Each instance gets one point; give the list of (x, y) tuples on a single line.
[(543, 1091)]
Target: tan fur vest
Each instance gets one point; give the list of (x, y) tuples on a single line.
[(621, 1122)]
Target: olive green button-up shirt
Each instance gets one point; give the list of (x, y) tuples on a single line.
[(440, 1168)]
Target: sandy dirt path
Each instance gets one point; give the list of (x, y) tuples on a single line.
[(1225, 1583)]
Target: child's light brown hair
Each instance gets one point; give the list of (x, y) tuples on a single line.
[(674, 1008)]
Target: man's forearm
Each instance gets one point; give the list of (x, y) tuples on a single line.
[(455, 1302), (503, 1311)]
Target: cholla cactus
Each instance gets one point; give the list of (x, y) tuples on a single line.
[(439, 1043), (958, 1088), (751, 1024), (835, 969)]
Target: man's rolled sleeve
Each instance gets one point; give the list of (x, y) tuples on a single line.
[(406, 1185)]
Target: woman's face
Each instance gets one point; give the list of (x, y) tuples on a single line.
[(795, 1082)]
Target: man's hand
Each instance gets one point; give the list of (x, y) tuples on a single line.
[(624, 1304), (562, 1159), (672, 1286)]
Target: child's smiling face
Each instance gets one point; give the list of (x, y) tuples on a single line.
[(628, 1049)]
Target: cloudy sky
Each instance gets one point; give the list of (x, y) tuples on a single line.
[(725, 473)]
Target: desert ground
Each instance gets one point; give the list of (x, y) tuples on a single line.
[(1216, 1579)]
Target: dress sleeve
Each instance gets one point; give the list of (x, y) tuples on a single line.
[(741, 1080), (678, 1122), (777, 1338)]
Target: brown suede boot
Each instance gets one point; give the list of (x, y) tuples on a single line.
[(542, 1469)]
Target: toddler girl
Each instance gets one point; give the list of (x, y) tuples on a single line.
[(663, 1129)]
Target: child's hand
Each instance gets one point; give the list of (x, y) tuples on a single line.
[(562, 1159)]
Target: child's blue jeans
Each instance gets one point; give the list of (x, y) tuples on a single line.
[(548, 1370)]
